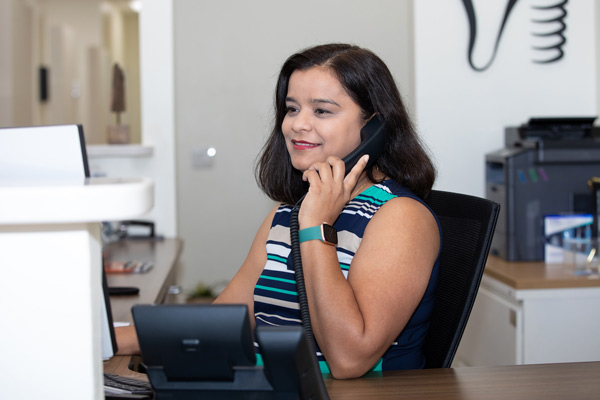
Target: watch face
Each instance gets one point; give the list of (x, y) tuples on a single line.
[(329, 234)]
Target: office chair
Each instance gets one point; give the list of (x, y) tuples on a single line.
[(468, 225)]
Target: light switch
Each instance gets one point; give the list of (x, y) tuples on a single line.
[(203, 157)]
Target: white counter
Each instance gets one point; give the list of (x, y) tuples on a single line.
[(50, 270)]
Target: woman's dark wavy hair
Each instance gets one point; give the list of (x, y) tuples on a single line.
[(370, 84)]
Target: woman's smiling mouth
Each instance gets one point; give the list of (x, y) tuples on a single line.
[(302, 145)]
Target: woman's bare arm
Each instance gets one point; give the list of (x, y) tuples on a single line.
[(240, 290), (357, 319)]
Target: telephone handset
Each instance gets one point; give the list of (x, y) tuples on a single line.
[(372, 137)]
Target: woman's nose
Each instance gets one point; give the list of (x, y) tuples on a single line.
[(302, 122)]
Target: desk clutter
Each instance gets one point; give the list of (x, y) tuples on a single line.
[(127, 267)]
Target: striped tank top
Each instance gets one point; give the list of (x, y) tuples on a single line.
[(275, 296)]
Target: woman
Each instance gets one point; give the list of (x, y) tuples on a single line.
[(371, 296)]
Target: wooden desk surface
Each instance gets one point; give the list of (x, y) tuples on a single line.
[(542, 381), (537, 275), (515, 382), (153, 284)]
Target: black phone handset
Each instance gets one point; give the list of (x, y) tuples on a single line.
[(372, 143), (372, 138)]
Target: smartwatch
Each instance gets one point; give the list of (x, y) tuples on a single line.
[(324, 232)]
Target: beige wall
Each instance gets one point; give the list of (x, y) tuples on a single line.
[(17, 72), (67, 30), (227, 57), (67, 37), (5, 63)]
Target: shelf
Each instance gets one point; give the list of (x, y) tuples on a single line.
[(119, 150)]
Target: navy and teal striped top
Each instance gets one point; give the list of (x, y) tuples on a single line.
[(275, 297)]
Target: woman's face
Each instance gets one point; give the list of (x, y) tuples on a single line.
[(321, 118)]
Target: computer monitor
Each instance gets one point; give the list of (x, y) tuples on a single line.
[(43, 153), (109, 342), (206, 351)]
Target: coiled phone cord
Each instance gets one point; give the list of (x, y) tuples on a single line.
[(299, 277), (302, 299)]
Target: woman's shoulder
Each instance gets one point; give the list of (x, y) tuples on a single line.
[(281, 214), (405, 202), (368, 203), (396, 189)]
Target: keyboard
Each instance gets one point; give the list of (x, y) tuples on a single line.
[(121, 386)]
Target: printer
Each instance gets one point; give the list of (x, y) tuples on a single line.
[(543, 170)]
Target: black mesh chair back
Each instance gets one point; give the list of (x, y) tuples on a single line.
[(468, 224)]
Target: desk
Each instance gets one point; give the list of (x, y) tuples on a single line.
[(515, 382), (538, 275), (532, 313), (154, 284), (550, 381)]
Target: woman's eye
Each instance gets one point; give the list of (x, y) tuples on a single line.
[(290, 110), (320, 111)]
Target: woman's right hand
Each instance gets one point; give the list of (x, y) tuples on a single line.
[(127, 340), (330, 190)]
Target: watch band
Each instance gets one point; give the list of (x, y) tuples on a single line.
[(324, 232), (312, 233)]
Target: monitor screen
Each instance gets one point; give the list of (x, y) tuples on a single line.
[(109, 342), (43, 153)]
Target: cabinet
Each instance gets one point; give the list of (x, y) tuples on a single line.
[(531, 313)]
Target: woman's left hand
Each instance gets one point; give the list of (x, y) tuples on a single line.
[(329, 190)]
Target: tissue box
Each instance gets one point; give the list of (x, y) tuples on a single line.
[(564, 226)]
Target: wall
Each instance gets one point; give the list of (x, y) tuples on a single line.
[(158, 108), (157, 111), (462, 113), (227, 57), (18, 91), (121, 40), (67, 30), (597, 37), (5, 63), (66, 37)]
